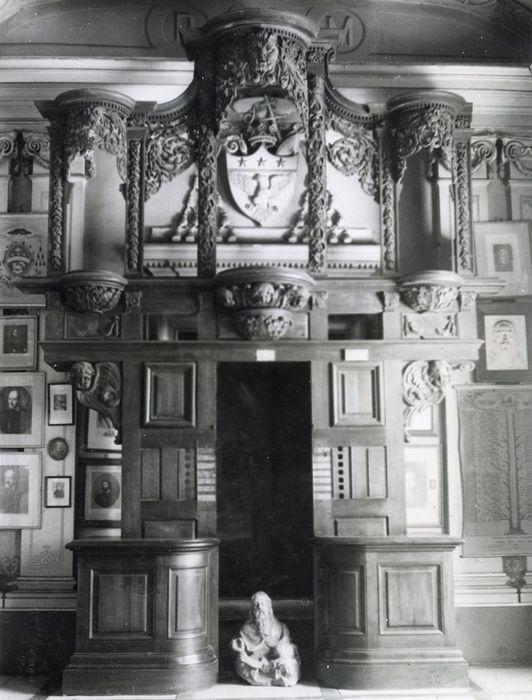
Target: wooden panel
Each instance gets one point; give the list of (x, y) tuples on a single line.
[(175, 529), (360, 527), (356, 394), (121, 604), (321, 473), (170, 394), (187, 611), (410, 599), (150, 475), (170, 478), (346, 601)]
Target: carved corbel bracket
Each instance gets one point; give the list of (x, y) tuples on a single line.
[(430, 290), (99, 387), (261, 301), (96, 291)]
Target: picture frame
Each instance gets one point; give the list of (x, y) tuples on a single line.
[(60, 404), (103, 493), (507, 330), (423, 487), (170, 394), (99, 434), (21, 409), (57, 448), (503, 250), (20, 490), (18, 342), (58, 491)]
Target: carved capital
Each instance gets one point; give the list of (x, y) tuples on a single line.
[(484, 151), (519, 153), (37, 146), (7, 144), (431, 290), (390, 301)]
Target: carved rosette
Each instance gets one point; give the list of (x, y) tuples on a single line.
[(261, 301), (430, 290), (94, 291)]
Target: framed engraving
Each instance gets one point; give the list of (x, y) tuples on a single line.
[(103, 493), (57, 491), (170, 394), (99, 434), (60, 404), (18, 342), (506, 328), (21, 409), (20, 490), (503, 251)]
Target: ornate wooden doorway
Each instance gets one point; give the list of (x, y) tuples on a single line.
[(264, 492)]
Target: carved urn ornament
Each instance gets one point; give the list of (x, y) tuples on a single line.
[(91, 290), (430, 290), (262, 300)]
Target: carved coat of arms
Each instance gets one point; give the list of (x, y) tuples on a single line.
[(262, 183)]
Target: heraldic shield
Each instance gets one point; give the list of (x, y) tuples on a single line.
[(262, 183)]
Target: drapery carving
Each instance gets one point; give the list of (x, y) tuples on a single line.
[(317, 185)]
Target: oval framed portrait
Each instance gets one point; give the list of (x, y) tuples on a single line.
[(58, 448)]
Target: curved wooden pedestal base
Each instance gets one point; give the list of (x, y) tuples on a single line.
[(384, 614), (147, 620)]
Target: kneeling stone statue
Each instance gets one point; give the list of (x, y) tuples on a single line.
[(265, 654)]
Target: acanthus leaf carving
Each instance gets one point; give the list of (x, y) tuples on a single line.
[(99, 387), (424, 385), (357, 155), (170, 149)]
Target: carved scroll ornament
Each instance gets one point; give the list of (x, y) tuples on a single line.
[(98, 387), (37, 146), (170, 150), (424, 384), (520, 154), (7, 144), (357, 156)]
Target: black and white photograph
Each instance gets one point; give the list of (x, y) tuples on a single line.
[(266, 321)]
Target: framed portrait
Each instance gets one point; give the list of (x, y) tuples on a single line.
[(103, 493), (20, 490), (99, 433), (506, 329), (21, 409), (503, 251), (60, 404), (170, 394), (57, 492), (18, 342), (423, 486)]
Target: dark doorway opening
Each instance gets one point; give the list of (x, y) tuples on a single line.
[(264, 491)]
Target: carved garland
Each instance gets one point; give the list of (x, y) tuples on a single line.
[(387, 197), (261, 58), (134, 207), (55, 205), (94, 126), (207, 200), (317, 185), (461, 179)]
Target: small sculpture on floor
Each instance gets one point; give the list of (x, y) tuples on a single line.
[(265, 654)]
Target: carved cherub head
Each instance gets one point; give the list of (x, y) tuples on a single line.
[(83, 375)]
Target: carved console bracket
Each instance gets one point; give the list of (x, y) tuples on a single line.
[(94, 291), (430, 290), (424, 384), (99, 387), (262, 301)]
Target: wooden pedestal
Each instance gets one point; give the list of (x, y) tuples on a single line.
[(147, 620), (385, 615)]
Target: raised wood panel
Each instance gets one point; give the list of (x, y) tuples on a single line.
[(187, 610), (410, 599), (121, 604), (346, 601), (360, 472), (171, 528), (360, 527), (170, 394), (357, 394), (168, 474), (150, 475)]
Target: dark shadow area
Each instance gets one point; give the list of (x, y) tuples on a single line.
[(265, 479)]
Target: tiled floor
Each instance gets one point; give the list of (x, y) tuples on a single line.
[(487, 683)]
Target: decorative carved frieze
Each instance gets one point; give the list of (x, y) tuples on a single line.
[(430, 290), (262, 324), (97, 291), (429, 325), (37, 146), (99, 387), (519, 153), (424, 384), (317, 184)]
